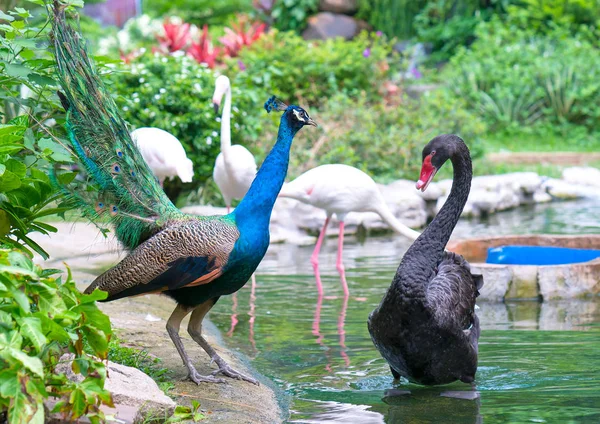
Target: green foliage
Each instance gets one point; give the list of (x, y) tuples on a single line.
[(545, 15), (175, 93), (395, 18), (42, 317), (284, 64), (384, 141), (513, 77), (291, 15), (185, 414), (27, 146), (198, 12)]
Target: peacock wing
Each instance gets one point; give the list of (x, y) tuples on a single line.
[(451, 293), (184, 254), (124, 188)]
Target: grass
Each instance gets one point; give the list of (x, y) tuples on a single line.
[(543, 139)]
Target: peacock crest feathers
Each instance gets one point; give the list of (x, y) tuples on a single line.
[(275, 104), (123, 189)]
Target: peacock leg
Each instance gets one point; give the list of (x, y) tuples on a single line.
[(340, 261), (314, 258), (173, 325), (195, 330)]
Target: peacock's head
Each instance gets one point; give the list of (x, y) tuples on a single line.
[(222, 84), (435, 154), (297, 117)]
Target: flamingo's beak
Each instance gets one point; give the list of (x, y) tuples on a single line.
[(427, 173), (216, 105)]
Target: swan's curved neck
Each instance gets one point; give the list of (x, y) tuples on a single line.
[(426, 252), (226, 124)]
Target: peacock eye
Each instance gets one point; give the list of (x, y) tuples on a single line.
[(119, 153), (116, 168)]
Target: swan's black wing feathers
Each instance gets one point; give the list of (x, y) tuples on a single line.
[(451, 294)]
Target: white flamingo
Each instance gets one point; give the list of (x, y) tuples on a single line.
[(235, 167), (164, 154), (340, 189)]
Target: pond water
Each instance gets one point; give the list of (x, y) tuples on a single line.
[(539, 362)]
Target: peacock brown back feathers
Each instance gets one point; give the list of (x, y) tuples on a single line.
[(124, 189)]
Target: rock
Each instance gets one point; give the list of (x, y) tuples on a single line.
[(128, 386), (582, 176), (524, 283), (347, 7), (496, 280), (326, 25), (565, 190), (569, 281)]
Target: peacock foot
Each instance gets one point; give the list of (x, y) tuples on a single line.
[(197, 378), (226, 370)]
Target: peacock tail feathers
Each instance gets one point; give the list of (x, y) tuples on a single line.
[(124, 189)]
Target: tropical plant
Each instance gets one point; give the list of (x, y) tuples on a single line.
[(514, 77), (41, 319)]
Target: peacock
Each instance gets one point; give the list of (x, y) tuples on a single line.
[(194, 260)]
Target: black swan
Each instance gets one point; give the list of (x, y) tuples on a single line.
[(425, 327)]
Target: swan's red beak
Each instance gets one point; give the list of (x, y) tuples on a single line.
[(427, 173)]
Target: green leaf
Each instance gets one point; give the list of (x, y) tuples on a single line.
[(9, 383), (53, 330), (16, 167), (41, 80), (97, 340), (16, 70), (5, 17), (17, 271), (94, 316), (9, 181), (66, 177), (20, 411), (31, 328), (57, 152), (93, 296), (4, 223), (79, 403), (32, 363), (48, 299)]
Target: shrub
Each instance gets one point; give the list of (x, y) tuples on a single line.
[(386, 142), (41, 317), (513, 77), (286, 65), (175, 93)]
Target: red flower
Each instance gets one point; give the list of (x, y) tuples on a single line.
[(129, 57), (177, 37), (238, 37), (203, 51)]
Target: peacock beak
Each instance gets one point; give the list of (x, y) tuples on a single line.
[(311, 122)]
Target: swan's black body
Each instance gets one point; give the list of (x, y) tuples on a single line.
[(425, 326)]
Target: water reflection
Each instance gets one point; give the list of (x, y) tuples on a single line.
[(538, 361)]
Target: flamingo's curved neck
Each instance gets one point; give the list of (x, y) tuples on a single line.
[(226, 125)]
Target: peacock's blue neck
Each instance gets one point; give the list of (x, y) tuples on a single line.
[(254, 211)]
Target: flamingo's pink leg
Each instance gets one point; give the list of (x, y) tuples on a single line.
[(234, 320), (314, 258), (339, 263), (251, 313)]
